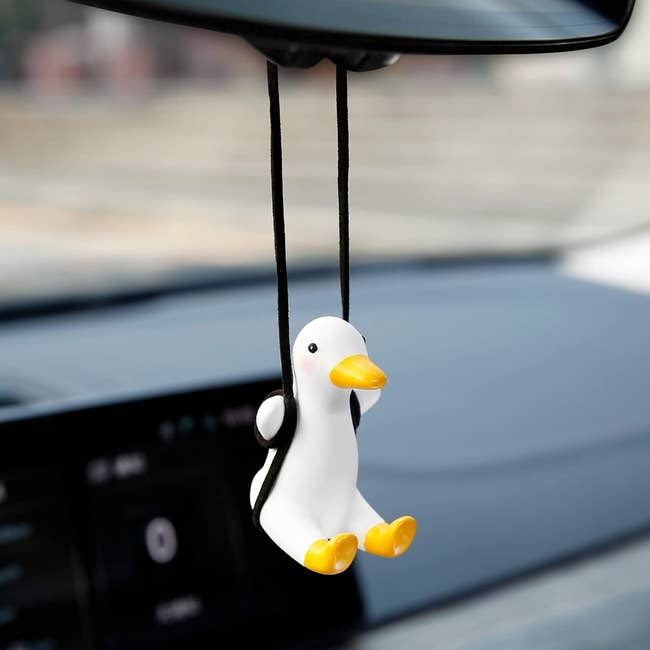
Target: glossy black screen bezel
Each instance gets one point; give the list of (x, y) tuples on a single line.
[(45, 450)]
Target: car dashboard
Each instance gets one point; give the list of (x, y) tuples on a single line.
[(514, 427)]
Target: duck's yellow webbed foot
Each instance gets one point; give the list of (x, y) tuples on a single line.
[(390, 540), (332, 556)]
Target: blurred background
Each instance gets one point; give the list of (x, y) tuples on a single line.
[(134, 153)]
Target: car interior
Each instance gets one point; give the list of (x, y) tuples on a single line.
[(498, 157)]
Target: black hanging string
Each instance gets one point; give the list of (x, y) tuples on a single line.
[(278, 229), (343, 176), (344, 209), (282, 440), (278, 211)]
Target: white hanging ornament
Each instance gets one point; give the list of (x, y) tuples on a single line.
[(314, 511)]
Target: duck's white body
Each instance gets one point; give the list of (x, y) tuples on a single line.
[(315, 495), (319, 473)]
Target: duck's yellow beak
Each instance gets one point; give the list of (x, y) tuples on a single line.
[(357, 371)]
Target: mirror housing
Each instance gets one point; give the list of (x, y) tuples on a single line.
[(369, 34)]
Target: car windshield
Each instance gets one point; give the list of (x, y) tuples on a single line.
[(135, 153)]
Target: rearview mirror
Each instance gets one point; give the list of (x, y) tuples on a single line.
[(400, 26)]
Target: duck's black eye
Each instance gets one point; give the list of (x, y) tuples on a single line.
[(364, 338), (312, 347)]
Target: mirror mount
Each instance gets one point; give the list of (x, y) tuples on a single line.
[(301, 55)]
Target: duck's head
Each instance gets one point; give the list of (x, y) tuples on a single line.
[(330, 355)]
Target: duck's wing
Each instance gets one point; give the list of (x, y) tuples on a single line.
[(367, 399), (270, 416)]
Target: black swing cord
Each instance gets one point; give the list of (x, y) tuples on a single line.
[(343, 175), (282, 440), (278, 211), (278, 229)]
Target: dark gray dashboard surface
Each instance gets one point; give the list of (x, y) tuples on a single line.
[(598, 603), (515, 424)]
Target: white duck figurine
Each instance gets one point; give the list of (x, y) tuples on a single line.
[(315, 513)]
